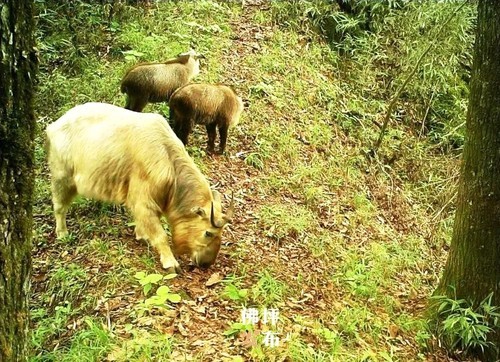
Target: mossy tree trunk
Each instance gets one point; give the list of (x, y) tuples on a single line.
[(473, 266), (17, 130)]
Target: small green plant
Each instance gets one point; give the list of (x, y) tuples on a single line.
[(148, 280), (233, 289), (463, 326), (132, 55), (357, 321), (67, 282), (142, 345), (69, 239), (330, 337), (232, 292), (237, 328), (357, 278), (162, 294), (49, 327), (254, 159)]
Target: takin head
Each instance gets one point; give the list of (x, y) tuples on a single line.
[(199, 233), (215, 106), (155, 82)]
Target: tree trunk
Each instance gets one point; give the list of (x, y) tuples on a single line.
[(17, 130), (473, 266)]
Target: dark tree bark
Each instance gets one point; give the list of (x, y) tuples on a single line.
[(17, 130), (473, 266)]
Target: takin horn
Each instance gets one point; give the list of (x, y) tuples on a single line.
[(226, 218), (215, 223)]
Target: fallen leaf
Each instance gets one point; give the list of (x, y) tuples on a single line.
[(201, 309), (215, 278), (199, 342)]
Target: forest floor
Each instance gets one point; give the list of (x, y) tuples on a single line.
[(336, 247)]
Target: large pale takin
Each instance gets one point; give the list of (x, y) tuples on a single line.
[(108, 153)]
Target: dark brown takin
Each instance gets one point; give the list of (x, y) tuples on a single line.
[(215, 105), (155, 82)]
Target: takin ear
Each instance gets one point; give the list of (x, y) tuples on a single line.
[(198, 211), (190, 52)]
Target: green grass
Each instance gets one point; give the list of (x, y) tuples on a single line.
[(142, 345), (66, 281), (89, 344), (280, 221), (268, 291)]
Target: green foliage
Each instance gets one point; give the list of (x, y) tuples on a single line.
[(148, 280), (232, 292), (268, 291), (300, 351), (357, 322), (463, 326), (49, 327), (330, 337), (282, 221), (440, 86), (359, 30), (236, 328), (143, 345), (162, 294), (60, 39), (89, 344), (338, 25), (254, 159), (66, 282)]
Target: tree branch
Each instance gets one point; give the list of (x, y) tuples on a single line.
[(400, 90)]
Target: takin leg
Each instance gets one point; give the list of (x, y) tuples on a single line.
[(127, 103), (136, 104), (223, 138), (63, 192), (182, 128), (148, 227), (212, 133)]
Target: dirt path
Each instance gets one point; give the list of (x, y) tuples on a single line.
[(246, 247), (203, 319)]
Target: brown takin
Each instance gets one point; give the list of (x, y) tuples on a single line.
[(155, 82), (112, 154), (215, 106)]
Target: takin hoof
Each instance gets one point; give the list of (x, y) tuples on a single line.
[(61, 234), (171, 265)]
